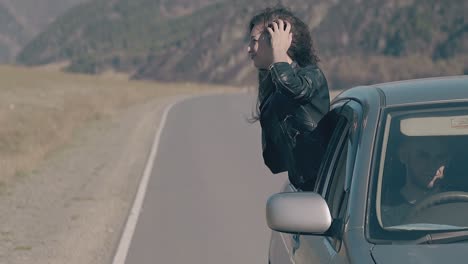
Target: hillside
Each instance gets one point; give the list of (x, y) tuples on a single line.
[(378, 41), (396, 28), (119, 33), (36, 15), (392, 40), (217, 52), (12, 34), (22, 20), (206, 45)]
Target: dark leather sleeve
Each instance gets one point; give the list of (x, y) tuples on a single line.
[(303, 85)]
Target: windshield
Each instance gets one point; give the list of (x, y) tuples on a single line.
[(423, 176)]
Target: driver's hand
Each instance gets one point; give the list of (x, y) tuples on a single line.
[(438, 175)]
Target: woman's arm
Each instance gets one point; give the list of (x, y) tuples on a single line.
[(306, 83)]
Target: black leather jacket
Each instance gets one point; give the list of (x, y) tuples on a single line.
[(297, 100)]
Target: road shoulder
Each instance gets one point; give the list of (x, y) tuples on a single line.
[(74, 206)]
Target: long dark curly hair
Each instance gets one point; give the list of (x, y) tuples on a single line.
[(301, 51)]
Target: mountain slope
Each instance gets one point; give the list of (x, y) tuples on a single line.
[(206, 45), (22, 20), (114, 32), (206, 41), (396, 28), (391, 40), (36, 15), (12, 34), (217, 53)]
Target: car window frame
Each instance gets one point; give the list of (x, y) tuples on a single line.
[(344, 141), (355, 118), (336, 109)]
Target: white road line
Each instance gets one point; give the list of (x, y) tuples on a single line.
[(132, 219), (129, 230)]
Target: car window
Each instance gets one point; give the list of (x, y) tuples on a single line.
[(333, 171), (331, 152), (335, 192), (336, 128), (423, 177)]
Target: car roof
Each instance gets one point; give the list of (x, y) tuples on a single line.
[(416, 91)]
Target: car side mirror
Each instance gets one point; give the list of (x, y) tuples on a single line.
[(298, 212)]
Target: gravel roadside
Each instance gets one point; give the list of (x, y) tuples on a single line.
[(73, 208)]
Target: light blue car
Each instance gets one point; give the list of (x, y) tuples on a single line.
[(393, 183)]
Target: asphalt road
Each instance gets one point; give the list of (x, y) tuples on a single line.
[(205, 199)]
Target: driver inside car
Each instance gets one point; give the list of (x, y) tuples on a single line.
[(424, 162)]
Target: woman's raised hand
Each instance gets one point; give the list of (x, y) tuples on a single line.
[(280, 39)]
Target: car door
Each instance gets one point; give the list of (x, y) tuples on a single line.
[(333, 184)]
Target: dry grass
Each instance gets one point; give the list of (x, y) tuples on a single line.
[(41, 108)]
